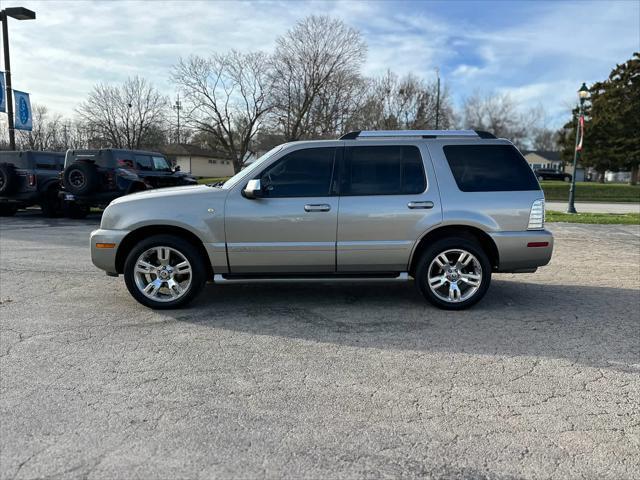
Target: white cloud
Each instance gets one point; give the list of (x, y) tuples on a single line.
[(539, 57)]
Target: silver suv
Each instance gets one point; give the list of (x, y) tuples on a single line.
[(447, 208)]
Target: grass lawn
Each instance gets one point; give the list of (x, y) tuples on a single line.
[(592, 192), (206, 180), (600, 218)]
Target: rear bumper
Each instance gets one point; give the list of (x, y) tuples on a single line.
[(523, 251), (99, 199), (105, 258)]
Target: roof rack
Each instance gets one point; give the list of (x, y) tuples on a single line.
[(415, 133)]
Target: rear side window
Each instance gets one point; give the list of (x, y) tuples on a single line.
[(489, 168), (46, 161), (383, 170), (303, 173)]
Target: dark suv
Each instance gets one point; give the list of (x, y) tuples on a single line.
[(551, 174), (96, 177), (30, 178)]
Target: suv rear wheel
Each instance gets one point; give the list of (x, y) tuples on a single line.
[(80, 178), (164, 271), (454, 273), (8, 178)]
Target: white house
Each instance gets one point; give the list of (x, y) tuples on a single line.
[(199, 162)]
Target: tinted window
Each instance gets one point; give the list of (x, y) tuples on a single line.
[(303, 173), (143, 162), (489, 168), (383, 170), (46, 161)]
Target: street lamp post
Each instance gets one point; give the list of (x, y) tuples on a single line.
[(583, 94), (19, 13)]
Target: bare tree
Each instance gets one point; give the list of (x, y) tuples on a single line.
[(316, 68), (498, 114), (45, 132), (226, 96), (409, 102), (127, 116), (545, 139)]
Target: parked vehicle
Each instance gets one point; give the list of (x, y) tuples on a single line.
[(551, 174), (30, 178), (447, 208), (93, 178)]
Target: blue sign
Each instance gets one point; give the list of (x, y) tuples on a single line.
[(23, 111), (3, 92)]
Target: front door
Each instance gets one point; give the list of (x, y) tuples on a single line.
[(292, 227), (386, 203)]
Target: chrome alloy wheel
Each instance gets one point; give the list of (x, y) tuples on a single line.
[(163, 274), (454, 275)]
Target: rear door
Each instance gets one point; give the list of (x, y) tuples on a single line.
[(388, 198)]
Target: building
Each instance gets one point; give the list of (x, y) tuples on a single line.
[(198, 161), (543, 159)]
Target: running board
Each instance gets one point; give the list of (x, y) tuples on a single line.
[(400, 277)]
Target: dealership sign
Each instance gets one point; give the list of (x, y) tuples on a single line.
[(23, 120), (3, 93)]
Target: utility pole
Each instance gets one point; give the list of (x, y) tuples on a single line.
[(178, 107), (438, 99), (19, 13)]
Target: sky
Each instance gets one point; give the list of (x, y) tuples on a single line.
[(537, 51)]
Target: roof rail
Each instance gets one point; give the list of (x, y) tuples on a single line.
[(415, 133)]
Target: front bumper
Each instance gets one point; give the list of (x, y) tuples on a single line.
[(105, 258), (523, 251)]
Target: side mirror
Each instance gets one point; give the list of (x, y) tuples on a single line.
[(253, 189), (177, 168)]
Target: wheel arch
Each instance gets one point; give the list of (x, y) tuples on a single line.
[(135, 236), (468, 231)]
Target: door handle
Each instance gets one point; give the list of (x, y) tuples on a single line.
[(317, 207), (415, 205)]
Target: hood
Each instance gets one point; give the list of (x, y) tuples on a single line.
[(170, 192)]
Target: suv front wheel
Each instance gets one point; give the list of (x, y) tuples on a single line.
[(164, 271), (454, 273)]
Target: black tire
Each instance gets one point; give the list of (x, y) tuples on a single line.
[(80, 178), (7, 210), (468, 244), (8, 178), (567, 178), (75, 211), (51, 204), (186, 249)]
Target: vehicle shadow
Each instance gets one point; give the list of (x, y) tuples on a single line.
[(597, 326)]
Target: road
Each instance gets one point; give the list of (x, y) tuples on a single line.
[(540, 380), (593, 207)]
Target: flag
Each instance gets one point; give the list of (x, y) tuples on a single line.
[(3, 92), (23, 111), (581, 132)]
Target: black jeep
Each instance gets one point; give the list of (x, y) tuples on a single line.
[(30, 178), (92, 178)]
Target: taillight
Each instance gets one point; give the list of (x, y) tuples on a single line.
[(31, 178), (536, 216)]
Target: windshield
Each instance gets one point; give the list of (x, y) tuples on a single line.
[(161, 164), (251, 168)]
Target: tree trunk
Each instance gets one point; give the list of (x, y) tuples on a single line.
[(634, 174)]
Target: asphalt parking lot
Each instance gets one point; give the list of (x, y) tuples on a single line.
[(540, 380)]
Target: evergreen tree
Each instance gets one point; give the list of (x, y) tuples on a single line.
[(612, 123)]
